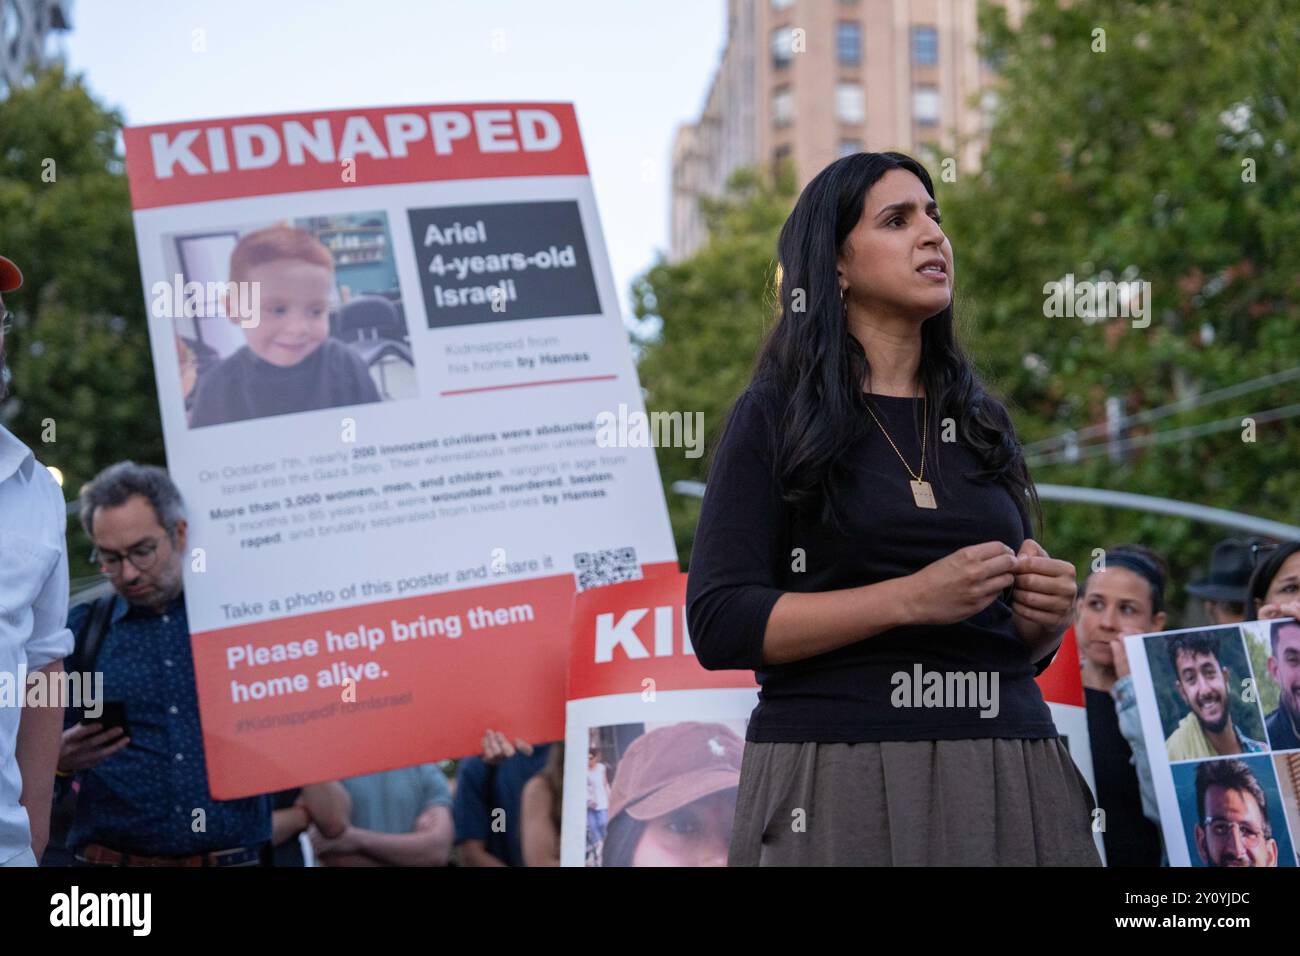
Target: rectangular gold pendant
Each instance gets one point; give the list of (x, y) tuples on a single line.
[(923, 494)]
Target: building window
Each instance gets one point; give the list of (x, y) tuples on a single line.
[(782, 107), (782, 4), (849, 146), (925, 106), (925, 46), (850, 104), (782, 46), (848, 42), (781, 155)]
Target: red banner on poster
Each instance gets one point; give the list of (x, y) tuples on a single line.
[(200, 161)]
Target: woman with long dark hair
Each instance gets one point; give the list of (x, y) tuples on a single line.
[(865, 547)]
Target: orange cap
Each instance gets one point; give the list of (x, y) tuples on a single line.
[(672, 766)]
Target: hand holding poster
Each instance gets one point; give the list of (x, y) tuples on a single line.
[(382, 338), (1219, 716)]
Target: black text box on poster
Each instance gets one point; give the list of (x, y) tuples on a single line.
[(502, 261)]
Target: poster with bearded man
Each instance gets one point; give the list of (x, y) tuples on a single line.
[(1219, 712)]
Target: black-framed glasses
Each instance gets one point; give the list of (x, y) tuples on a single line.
[(1222, 829), (143, 556), (6, 322)]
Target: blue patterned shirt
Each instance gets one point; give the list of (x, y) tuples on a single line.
[(143, 798)]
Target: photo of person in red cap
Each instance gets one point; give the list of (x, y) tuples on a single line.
[(674, 797)]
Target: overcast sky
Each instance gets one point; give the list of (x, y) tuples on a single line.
[(633, 69)]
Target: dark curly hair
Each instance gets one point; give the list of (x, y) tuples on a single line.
[(1194, 642)]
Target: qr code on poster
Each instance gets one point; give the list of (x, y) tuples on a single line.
[(593, 569)]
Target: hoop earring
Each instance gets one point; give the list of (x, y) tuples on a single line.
[(844, 305)]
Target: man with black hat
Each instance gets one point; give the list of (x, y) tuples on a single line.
[(1224, 589), (34, 595)]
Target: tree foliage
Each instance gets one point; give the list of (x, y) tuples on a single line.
[(707, 315), (82, 393), (1169, 158)]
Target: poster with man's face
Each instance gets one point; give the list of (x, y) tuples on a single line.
[(1218, 708)]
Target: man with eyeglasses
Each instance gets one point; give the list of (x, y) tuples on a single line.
[(34, 599), (1233, 829), (144, 797)]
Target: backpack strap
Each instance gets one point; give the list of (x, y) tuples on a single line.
[(90, 636), (85, 648)]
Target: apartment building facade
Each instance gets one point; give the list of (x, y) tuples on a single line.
[(813, 80)]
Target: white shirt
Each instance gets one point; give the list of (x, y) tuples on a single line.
[(33, 608), (597, 788)]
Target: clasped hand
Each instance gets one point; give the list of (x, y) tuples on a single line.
[(967, 581)]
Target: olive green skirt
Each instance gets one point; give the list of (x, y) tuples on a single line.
[(986, 802)]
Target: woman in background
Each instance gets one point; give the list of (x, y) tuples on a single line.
[(1274, 589), (1273, 593), (1127, 596)]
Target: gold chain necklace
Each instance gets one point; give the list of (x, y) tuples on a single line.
[(922, 493)]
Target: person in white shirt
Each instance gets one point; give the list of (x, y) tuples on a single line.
[(597, 802), (33, 635)]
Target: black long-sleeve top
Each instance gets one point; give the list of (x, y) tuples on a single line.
[(1130, 838), (745, 558)]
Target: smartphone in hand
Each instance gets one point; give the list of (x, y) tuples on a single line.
[(113, 714)]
